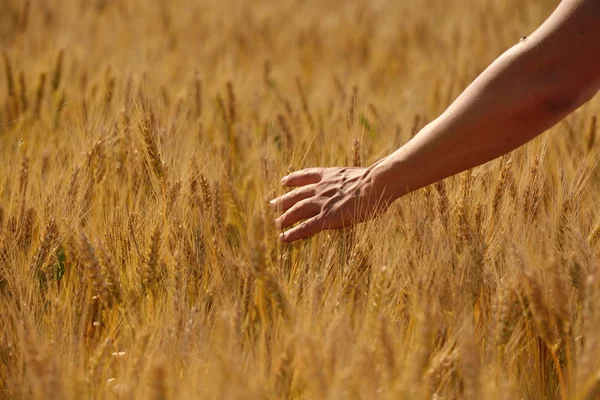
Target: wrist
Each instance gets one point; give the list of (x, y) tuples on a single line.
[(389, 177)]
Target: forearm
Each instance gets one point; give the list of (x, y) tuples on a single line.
[(522, 94), (499, 112)]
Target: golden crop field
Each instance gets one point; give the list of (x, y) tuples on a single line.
[(140, 142)]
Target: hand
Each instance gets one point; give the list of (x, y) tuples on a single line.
[(328, 198)]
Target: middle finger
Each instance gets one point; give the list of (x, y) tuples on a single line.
[(284, 202)]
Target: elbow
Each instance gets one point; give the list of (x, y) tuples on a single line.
[(560, 103), (563, 91), (563, 101)]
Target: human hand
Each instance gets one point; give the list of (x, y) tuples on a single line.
[(328, 198)]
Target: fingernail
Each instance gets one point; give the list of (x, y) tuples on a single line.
[(271, 202), (284, 179), (282, 237)]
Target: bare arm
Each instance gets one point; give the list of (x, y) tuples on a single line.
[(527, 90), (524, 92)]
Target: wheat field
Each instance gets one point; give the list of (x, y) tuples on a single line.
[(140, 142)]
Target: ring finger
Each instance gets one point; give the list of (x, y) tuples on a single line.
[(284, 202), (302, 210)]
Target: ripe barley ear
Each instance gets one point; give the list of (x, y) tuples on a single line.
[(223, 111), (94, 271), (593, 389), (159, 383), (173, 195), (28, 228), (24, 175), (97, 361), (194, 184), (416, 126), (124, 123), (443, 203), (111, 276), (464, 228), (387, 348), (152, 148), (427, 194), (74, 183), (304, 102), (512, 188), (540, 311), (500, 187), (287, 134), (258, 259), (562, 226), (594, 237), (198, 96), (218, 208), (443, 364), (60, 105), (24, 19), (109, 91), (44, 249), (508, 313), (39, 97), (10, 81), (462, 210), (58, 72), (206, 193), (478, 218), (284, 373), (23, 92), (591, 134), (531, 196), (356, 162), (231, 103), (352, 107), (150, 273), (560, 302)]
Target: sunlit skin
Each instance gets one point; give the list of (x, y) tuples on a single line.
[(524, 92)]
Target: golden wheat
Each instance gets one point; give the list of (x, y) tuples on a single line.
[(138, 256)]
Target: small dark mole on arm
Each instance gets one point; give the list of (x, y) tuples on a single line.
[(524, 38)]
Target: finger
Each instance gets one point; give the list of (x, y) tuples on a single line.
[(299, 211), (304, 230), (303, 177), (284, 202)]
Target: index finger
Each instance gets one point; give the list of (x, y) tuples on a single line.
[(303, 177)]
